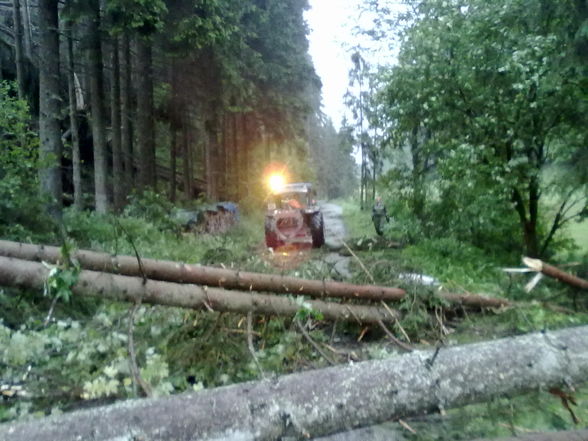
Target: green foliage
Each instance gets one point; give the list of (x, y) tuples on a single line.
[(153, 207), (209, 23), (479, 103), (457, 264), (20, 203), (501, 417), (142, 16), (306, 311), (60, 281), (62, 277), (535, 317)]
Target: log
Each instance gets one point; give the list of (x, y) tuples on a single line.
[(202, 275), (316, 403), (475, 300), (551, 271), (565, 435), (28, 274), (224, 278)]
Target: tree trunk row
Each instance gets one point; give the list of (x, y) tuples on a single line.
[(226, 140), (316, 403)]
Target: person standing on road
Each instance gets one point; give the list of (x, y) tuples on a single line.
[(378, 215)]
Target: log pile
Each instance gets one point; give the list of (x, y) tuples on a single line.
[(28, 274), (227, 279)]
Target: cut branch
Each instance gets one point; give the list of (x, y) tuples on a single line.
[(23, 273), (316, 403), (556, 273)]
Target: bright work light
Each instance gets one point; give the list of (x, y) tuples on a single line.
[(276, 182)]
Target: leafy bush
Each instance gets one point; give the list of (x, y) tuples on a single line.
[(457, 264), (152, 206), (20, 203)]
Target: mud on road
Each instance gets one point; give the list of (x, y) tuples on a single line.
[(335, 234), (334, 226)]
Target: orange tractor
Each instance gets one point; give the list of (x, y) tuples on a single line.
[(293, 216)]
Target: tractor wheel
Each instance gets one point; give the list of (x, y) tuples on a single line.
[(271, 240), (271, 237), (317, 230)]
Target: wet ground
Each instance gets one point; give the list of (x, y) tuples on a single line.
[(335, 234), (334, 226)]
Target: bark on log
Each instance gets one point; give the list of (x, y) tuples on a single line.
[(552, 271), (27, 274), (566, 435), (182, 273), (316, 403)]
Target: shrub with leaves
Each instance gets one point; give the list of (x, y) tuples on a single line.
[(20, 203)]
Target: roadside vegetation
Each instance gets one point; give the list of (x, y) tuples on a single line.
[(466, 268)]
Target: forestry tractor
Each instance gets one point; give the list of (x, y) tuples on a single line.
[(293, 216)]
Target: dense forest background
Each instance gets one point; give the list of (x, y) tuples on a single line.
[(117, 116), (186, 99)]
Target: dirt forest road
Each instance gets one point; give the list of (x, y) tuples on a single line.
[(334, 226), (334, 238), (335, 234)]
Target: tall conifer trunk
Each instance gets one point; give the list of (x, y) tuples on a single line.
[(50, 148), (222, 158), (212, 158), (236, 155), (97, 104), (73, 122), (26, 28), (19, 48), (173, 163), (115, 118), (230, 155), (126, 113), (186, 158), (145, 138)]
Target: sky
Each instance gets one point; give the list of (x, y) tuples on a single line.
[(331, 38), (330, 23)]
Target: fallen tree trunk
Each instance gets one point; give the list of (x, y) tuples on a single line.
[(316, 403), (224, 278), (201, 275), (475, 300), (24, 273), (556, 273), (565, 435)]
